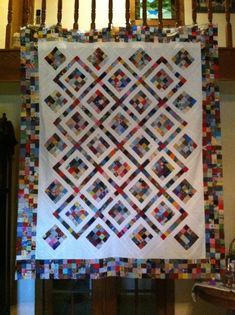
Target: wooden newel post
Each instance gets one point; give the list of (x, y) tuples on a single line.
[(9, 25)]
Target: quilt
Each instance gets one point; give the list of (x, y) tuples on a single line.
[(119, 156)]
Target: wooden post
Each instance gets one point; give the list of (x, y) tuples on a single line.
[(128, 14), (160, 16), (144, 3), (59, 13), (9, 25), (26, 12), (93, 14), (177, 13), (229, 40), (194, 11), (43, 16), (210, 12), (110, 14), (76, 14)]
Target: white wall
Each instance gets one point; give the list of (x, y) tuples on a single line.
[(3, 21)]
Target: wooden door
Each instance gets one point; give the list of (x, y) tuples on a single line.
[(109, 296)]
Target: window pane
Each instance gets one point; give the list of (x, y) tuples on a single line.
[(152, 9)]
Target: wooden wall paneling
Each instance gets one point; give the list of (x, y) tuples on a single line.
[(165, 297)]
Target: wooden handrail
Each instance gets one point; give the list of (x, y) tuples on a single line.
[(76, 15)]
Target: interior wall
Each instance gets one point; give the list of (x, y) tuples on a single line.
[(3, 21)]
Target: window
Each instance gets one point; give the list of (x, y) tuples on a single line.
[(171, 15)]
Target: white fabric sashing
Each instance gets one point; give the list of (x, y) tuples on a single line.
[(120, 160)]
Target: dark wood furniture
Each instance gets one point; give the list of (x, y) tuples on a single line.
[(216, 296)]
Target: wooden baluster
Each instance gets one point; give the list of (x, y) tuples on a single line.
[(9, 25), (145, 13), (93, 14), (59, 13), (210, 12), (128, 25), (76, 15), (177, 13), (160, 15), (110, 14), (194, 11), (26, 12), (229, 40), (44, 8)]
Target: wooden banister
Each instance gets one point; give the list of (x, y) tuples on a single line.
[(128, 14), (144, 3), (210, 11), (76, 14), (160, 15), (194, 11), (43, 16), (229, 40), (110, 14), (59, 13), (9, 25), (93, 14)]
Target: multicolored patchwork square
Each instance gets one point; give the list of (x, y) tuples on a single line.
[(141, 146), (98, 58), (140, 59), (183, 59), (98, 101), (184, 102), (98, 145), (184, 191), (186, 237), (55, 145), (119, 80), (77, 214), (119, 167), (141, 190), (98, 236), (120, 124), (98, 190), (162, 80), (77, 123), (55, 58), (162, 168), (56, 101), (162, 124), (54, 237), (119, 212), (141, 236), (76, 79), (56, 191), (185, 146), (140, 102), (163, 213), (76, 167)]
